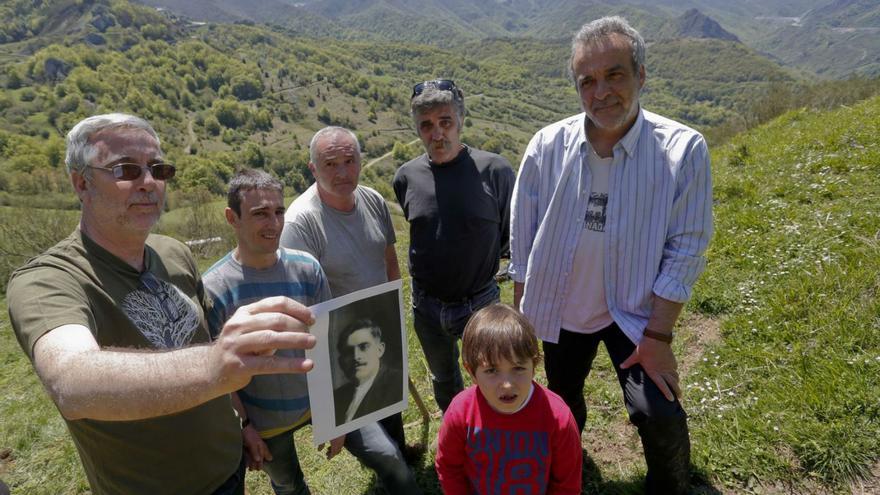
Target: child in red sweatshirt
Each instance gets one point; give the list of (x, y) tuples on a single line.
[(506, 434)]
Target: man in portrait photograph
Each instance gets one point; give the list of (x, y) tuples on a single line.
[(372, 383)]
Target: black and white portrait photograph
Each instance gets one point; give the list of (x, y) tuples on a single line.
[(360, 361), (367, 372)]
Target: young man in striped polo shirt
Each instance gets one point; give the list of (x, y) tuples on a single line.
[(272, 407)]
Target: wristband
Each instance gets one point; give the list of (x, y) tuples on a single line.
[(662, 337), (245, 422)]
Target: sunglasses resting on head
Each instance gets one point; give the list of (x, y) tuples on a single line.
[(439, 84)]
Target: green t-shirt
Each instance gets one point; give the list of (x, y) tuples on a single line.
[(79, 282)]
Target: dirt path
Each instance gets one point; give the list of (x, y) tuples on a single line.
[(191, 136), (870, 486), (386, 155)]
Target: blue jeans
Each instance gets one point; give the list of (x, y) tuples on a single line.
[(371, 445), (662, 424), (439, 326)]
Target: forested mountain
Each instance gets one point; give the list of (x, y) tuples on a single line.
[(429, 21), (223, 95)]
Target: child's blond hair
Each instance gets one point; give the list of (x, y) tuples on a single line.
[(498, 332)]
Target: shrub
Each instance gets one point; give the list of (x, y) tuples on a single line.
[(26, 232)]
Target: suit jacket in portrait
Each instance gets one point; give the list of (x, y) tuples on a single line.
[(387, 389)]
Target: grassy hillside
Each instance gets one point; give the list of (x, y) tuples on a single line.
[(791, 393)]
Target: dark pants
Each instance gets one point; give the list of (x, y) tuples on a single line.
[(372, 445), (439, 325), (662, 424), (235, 484), (376, 449)]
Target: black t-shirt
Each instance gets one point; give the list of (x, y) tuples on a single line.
[(459, 216)]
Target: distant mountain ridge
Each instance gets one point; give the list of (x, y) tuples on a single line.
[(433, 21), (695, 24), (225, 10), (839, 38), (845, 14), (847, 31)]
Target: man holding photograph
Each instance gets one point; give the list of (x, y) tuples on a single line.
[(113, 320)]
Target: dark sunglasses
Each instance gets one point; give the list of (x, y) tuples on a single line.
[(132, 171), (440, 84), (152, 284)]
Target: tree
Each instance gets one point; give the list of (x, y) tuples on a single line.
[(402, 152), (230, 113), (13, 79), (324, 115), (263, 120), (246, 87), (154, 31), (253, 156), (202, 173), (216, 76), (212, 125)]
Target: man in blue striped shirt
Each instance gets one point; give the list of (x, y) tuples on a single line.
[(611, 218), (272, 407)]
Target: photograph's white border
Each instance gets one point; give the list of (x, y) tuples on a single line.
[(320, 378)]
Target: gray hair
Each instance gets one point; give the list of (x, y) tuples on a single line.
[(600, 29), (80, 151), (248, 179), (331, 130), (432, 98)]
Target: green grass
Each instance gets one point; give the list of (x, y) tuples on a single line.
[(780, 347), (791, 394), (42, 458)]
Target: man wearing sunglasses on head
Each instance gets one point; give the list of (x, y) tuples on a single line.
[(113, 320), (457, 202)]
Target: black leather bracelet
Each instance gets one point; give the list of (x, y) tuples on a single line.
[(662, 337), (245, 422)]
